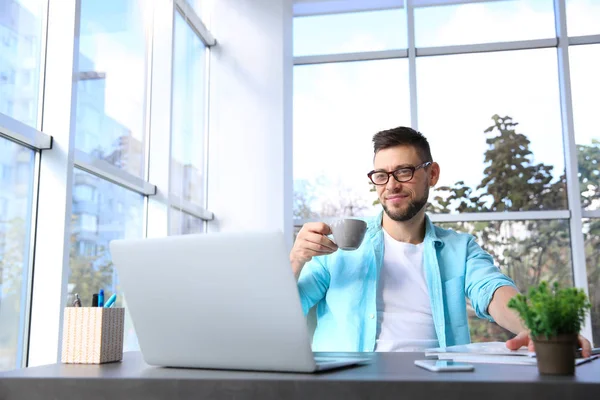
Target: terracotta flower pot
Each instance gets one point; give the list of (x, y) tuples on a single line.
[(556, 355)]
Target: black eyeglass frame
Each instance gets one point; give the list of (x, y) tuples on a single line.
[(394, 172)]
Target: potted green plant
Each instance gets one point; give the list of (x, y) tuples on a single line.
[(554, 317)]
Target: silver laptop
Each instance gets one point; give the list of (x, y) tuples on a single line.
[(222, 301)]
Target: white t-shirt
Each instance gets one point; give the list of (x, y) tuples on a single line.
[(404, 319)]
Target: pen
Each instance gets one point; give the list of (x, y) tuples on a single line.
[(95, 300), (101, 298), (77, 301), (110, 301)]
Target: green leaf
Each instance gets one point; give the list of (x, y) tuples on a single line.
[(550, 311)]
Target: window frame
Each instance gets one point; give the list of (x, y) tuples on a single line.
[(57, 114), (561, 42)]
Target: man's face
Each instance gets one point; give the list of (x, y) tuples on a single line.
[(402, 201)]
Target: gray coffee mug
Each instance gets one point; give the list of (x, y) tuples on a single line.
[(348, 234)]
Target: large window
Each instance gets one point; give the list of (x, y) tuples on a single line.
[(585, 63), (336, 107), (117, 214), (21, 26), (591, 230), (16, 197), (111, 115), (187, 144), (483, 22), (20, 61), (507, 167), (485, 82), (111, 95), (115, 89), (348, 33)]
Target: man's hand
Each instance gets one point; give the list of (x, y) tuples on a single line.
[(311, 241), (523, 339)]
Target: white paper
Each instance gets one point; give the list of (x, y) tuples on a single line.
[(484, 348)]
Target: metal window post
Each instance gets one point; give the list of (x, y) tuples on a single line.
[(159, 155), (412, 64), (51, 256), (570, 149)]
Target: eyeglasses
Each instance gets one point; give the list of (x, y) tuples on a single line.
[(404, 174)]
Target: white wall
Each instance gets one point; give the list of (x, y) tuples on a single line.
[(250, 145)]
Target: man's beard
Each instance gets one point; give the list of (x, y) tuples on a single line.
[(413, 209)]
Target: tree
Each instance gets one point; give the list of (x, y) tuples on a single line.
[(347, 203), (302, 200), (589, 178), (588, 160), (324, 198), (591, 230)]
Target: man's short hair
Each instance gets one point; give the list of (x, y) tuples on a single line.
[(402, 136)]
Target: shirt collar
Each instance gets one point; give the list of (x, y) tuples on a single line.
[(375, 227)]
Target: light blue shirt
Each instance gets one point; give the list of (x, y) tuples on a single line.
[(343, 285)]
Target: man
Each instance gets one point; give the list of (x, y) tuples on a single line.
[(404, 289)]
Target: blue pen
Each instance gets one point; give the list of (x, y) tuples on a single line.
[(110, 301), (101, 298)]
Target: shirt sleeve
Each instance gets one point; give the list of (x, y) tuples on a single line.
[(313, 283), (482, 279)]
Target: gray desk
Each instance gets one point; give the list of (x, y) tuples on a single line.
[(389, 376)]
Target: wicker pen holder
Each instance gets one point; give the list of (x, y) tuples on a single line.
[(92, 335)]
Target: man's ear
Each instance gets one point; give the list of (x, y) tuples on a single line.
[(434, 174)]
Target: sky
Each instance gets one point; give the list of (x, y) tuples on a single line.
[(346, 103)]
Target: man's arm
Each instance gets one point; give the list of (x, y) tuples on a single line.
[(504, 316), (490, 291), (486, 284), (310, 272), (508, 319), (313, 283)]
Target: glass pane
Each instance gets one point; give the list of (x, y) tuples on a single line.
[(183, 223), (510, 168), (187, 147), (349, 33), (111, 91), (112, 213), (337, 110), (16, 196), (526, 251), (583, 17), (20, 50), (591, 231), (484, 22), (585, 84)]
